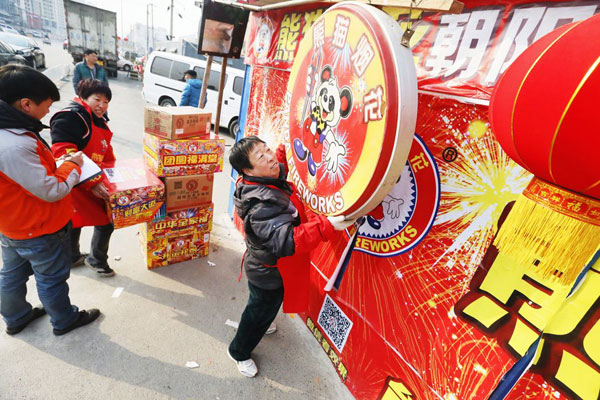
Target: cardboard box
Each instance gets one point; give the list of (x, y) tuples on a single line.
[(178, 223), (188, 191), (135, 193), (180, 236), (183, 157), (177, 122), (169, 250)]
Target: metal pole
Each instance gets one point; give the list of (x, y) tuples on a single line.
[(220, 101), (152, 23), (171, 32), (205, 80), (122, 30), (147, 27)]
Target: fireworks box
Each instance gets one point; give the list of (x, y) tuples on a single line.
[(135, 193), (178, 223), (177, 122), (183, 157), (169, 250), (188, 191), (180, 236)]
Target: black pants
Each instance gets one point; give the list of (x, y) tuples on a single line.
[(98, 249), (262, 308)]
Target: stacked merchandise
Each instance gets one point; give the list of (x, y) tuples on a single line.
[(179, 148), (136, 194)]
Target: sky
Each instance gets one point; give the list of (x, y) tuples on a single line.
[(135, 11)]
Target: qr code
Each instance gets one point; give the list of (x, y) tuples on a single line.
[(335, 323)]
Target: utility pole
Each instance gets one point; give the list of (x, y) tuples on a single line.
[(122, 30), (152, 23), (147, 27), (171, 32), (149, 23)]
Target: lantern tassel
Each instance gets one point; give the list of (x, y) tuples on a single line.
[(556, 244)]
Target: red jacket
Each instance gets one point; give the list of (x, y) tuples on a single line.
[(34, 198), (77, 128)]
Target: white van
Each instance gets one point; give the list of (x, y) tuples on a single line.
[(164, 83)]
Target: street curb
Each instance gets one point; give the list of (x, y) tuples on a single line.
[(58, 72)]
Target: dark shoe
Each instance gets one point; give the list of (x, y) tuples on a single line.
[(373, 222), (312, 167), (102, 272), (85, 317), (299, 149), (79, 260), (35, 313)]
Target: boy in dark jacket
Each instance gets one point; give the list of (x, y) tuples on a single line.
[(35, 207), (279, 235)]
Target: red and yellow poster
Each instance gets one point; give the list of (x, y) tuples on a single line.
[(424, 310), (460, 54)]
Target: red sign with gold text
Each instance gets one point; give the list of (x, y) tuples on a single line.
[(460, 54)]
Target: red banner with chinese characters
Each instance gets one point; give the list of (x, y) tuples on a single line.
[(424, 309), (460, 54)]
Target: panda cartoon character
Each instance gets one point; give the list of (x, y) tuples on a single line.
[(328, 106), (262, 42)]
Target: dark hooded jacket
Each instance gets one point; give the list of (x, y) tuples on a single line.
[(269, 220)]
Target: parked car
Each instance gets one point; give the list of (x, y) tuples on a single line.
[(46, 40), (26, 47), (124, 64), (164, 82), (9, 56), (8, 28)]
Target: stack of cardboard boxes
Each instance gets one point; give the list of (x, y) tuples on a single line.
[(179, 148), (136, 194)]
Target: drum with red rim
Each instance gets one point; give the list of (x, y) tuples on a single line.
[(352, 95)]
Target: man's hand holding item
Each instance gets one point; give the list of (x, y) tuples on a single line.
[(76, 158), (339, 222), (100, 191)]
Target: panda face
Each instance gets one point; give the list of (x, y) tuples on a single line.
[(328, 100), (261, 46)]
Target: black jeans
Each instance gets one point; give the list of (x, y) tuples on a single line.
[(262, 308), (99, 247)]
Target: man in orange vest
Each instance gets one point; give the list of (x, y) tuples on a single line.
[(35, 207)]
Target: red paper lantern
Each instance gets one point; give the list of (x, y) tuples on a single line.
[(544, 110)]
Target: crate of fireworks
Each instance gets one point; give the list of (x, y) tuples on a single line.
[(167, 157), (180, 236), (135, 193)]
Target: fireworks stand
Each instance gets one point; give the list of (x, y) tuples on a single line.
[(179, 148), (428, 304)]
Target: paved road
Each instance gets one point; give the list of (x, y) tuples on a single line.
[(162, 319), (55, 55)]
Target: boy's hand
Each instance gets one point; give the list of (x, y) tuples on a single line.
[(100, 191), (76, 158)]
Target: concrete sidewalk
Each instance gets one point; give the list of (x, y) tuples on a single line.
[(162, 319)]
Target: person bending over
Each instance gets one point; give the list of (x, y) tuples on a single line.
[(279, 235)]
